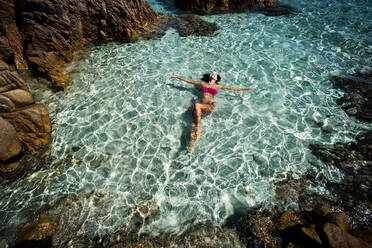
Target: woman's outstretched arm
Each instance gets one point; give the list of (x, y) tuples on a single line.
[(187, 80), (235, 88)]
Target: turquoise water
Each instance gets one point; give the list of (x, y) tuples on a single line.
[(128, 122)]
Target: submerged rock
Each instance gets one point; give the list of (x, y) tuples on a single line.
[(39, 229), (354, 192), (222, 5), (185, 25), (64, 224), (357, 100), (348, 154)]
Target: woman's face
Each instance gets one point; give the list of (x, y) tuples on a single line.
[(213, 76)]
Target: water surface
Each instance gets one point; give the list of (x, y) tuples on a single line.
[(123, 124)]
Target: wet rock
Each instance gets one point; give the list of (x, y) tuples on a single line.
[(357, 100), (32, 124), (292, 190), (199, 235), (336, 237), (257, 228), (288, 219), (9, 143), (19, 97), (322, 211), (210, 6)]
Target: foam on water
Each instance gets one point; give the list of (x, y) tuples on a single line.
[(131, 121)]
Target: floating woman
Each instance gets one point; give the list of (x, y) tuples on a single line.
[(205, 103)]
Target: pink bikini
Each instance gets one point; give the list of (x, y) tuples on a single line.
[(208, 90)]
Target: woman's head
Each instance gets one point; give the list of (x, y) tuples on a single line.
[(209, 76)]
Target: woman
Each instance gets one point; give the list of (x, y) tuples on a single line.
[(205, 103)]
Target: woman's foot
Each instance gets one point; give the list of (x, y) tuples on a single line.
[(191, 145)]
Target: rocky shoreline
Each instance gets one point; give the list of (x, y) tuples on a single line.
[(43, 36)]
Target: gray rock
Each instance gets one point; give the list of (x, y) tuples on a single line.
[(9, 144), (19, 97)]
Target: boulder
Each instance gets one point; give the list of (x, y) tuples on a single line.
[(32, 124), (337, 238), (322, 211), (364, 234), (19, 97), (10, 80), (9, 143), (339, 219), (6, 105)]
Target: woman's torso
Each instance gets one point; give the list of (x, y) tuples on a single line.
[(208, 97)]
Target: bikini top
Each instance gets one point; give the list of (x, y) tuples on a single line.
[(208, 90)]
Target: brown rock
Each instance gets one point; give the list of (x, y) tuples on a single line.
[(9, 144), (6, 53), (289, 219), (11, 167), (364, 234), (339, 219), (37, 230), (6, 105), (337, 238), (3, 66), (322, 211), (19, 97), (10, 80), (12, 35), (32, 124), (53, 31)]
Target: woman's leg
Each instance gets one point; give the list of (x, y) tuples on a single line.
[(195, 132)]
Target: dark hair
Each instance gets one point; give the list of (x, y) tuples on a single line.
[(205, 78)]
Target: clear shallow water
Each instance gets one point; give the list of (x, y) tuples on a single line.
[(131, 121)]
